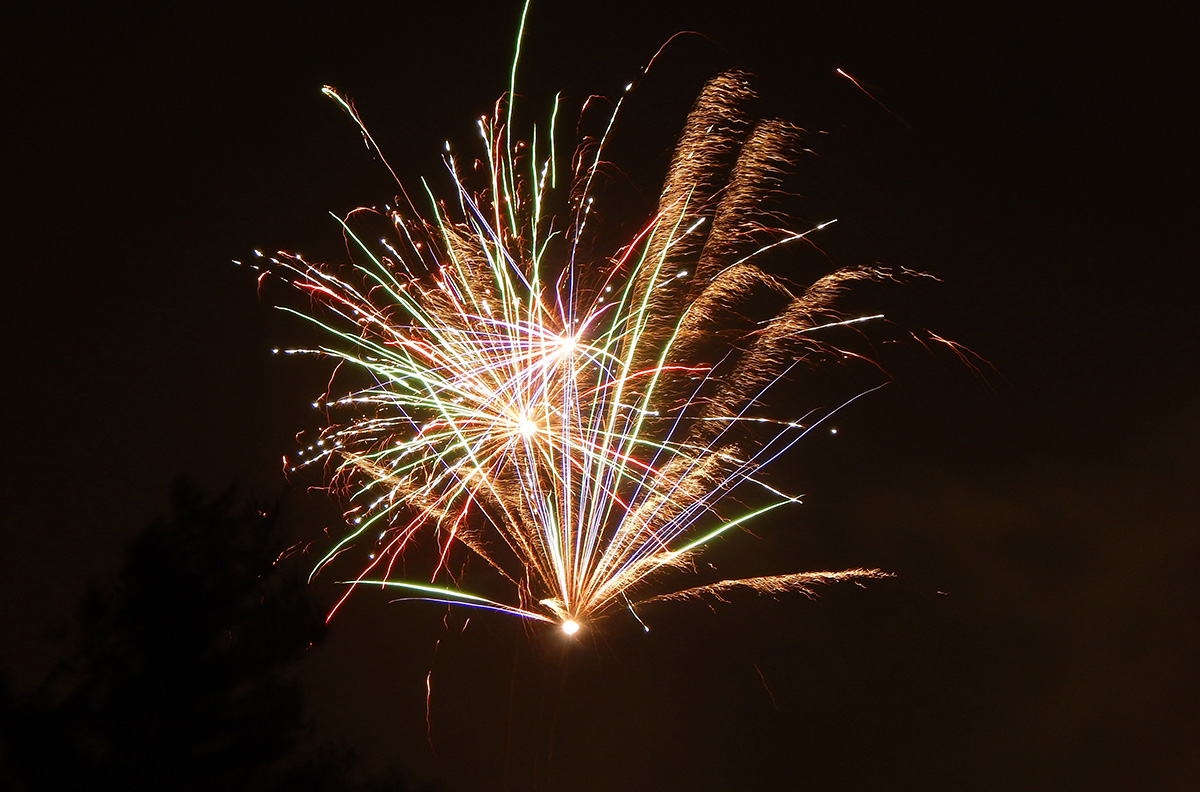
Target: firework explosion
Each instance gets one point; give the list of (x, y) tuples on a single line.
[(576, 420)]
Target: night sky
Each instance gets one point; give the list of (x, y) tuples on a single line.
[(1042, 630)]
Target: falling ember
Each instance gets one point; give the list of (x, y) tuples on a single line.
[(577, 417)]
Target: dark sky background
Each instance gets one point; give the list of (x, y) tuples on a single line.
[(1042, 628)]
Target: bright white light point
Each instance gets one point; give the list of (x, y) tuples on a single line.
[(528, 427), (570, 627), (833, 431)]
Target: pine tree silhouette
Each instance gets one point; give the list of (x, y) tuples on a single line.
[(179, 680)]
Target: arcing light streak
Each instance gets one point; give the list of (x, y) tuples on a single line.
[(576, 422)]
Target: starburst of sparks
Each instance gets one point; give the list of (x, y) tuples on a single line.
[(576, 420)]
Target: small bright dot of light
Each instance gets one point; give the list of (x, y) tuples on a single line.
[(528, 427), (833, 431), (570, 627)]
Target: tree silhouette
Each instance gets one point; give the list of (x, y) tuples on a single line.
[(179, 680)]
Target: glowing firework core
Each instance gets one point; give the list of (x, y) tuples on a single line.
[(570, 627)]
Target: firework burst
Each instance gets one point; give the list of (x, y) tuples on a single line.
[(577, 419)]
